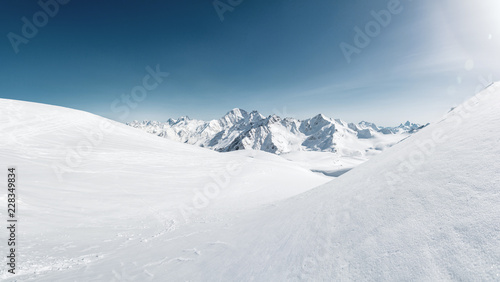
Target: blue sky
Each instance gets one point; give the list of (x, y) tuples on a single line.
[(280, 56)]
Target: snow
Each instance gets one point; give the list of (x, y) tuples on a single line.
[(425, 209)]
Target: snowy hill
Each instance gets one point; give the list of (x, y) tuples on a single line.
[(426, 209), (239, 130), (89, 187)]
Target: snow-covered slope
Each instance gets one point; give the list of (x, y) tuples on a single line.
[(89, 187), (239, 130), (426, 209)]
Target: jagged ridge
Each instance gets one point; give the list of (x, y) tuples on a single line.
[(239, 129)]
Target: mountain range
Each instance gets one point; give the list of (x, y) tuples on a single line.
[(239, 129)]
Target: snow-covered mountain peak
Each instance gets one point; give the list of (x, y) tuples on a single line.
[(184, 118), (365, 124), (273, 119), (321, 118), (256, 117), (234, 116), (237, 113)]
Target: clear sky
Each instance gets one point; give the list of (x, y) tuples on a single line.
[(280, 56)]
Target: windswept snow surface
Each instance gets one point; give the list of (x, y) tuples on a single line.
[(426, 209), (90, 189)]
